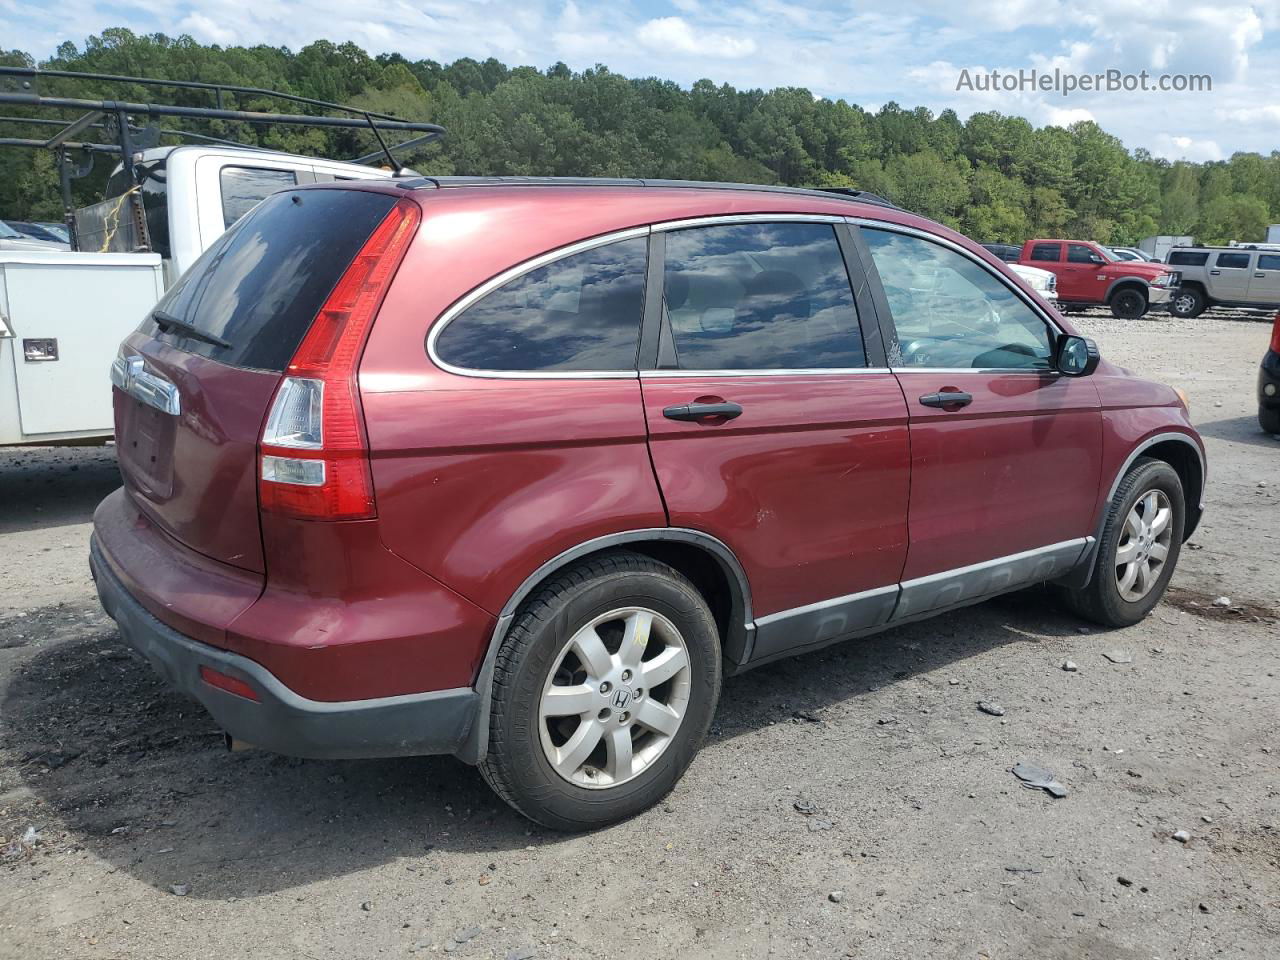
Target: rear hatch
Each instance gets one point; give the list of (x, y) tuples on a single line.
[(195, 381)]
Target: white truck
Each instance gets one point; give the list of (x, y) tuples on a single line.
[(63, 315)]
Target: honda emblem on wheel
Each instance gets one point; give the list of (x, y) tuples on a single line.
[(622, 697)]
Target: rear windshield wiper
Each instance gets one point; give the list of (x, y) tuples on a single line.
[(167, 321)]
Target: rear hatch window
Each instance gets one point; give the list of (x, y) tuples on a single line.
[(222, 337), (259, 286)]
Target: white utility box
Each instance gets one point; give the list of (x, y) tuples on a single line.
[(62, 317)]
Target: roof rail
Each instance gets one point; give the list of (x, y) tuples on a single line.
[(443, 183)]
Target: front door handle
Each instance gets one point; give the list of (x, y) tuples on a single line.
[(1215, 273), (1260, 276), (703, 412), (947, 398)]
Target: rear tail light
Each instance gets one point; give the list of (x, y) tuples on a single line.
[(314, 460), (1275, 334)]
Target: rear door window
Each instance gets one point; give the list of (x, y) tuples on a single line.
[(262, 282), (1233, 261), (759, 296), (579, 313), (243, 187), (1269, 261), (1047, 252)]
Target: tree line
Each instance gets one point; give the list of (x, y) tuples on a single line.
[(996, 178)]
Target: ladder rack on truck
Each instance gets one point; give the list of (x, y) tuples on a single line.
[(63, 315)]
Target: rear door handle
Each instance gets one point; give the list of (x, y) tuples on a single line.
[(947, 398), (1215, 273), (701, 412), (1260, 276)]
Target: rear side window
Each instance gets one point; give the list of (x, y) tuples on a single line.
[(579, 313), (760, 296), (1188, 258), (262, 282), (244, 187), (1269, 261), (1048, 252), (1233, 261)]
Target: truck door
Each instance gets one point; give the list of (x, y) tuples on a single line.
[(1264, 285), (1082, 274), (1229, 276)]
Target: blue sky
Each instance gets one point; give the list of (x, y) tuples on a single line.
[(866, 53)]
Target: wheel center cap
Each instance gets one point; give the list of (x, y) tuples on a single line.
[(621, 697)]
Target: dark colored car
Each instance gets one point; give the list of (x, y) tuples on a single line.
[(1008, 252), (34, 231), (518, 470), (1269, 383)]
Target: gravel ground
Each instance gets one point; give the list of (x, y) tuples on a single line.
[(850, 803)]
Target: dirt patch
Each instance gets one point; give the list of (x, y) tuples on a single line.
[(1210, 607)]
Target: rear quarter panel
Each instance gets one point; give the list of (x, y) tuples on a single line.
[(481, 480)]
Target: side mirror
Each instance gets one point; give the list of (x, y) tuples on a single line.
[(1094, 258), (1075, 356)]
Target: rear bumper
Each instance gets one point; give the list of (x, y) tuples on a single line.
[(280, 719)]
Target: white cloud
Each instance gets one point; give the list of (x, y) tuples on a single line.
[(1065, 116), (675, 34), (912, 56), (1173, 147), (197, 24), (1268, 114)]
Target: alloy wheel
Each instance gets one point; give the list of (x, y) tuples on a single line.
[(1144, 545), (616, 695)]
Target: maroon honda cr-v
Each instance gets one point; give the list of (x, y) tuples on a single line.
[(517, 470)]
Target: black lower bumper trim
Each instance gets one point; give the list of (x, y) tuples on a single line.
[(281, 720)]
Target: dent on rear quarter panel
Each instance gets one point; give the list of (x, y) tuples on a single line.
[(479, 482)]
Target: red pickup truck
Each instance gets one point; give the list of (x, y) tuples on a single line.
[(1088, 275)]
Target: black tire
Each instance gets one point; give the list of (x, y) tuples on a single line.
[(1128, 303), (516, 766), (1187, 303), (1269, 420), (1100, 600)]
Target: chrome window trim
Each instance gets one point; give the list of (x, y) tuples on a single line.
[(729, 219), (1037, 371), (1038, 310), (493, 283), (765, 372)]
